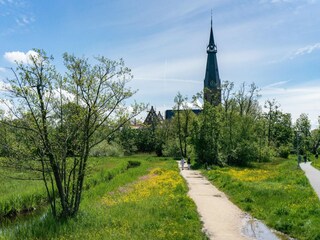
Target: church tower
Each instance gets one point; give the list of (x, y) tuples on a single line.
[(212, 83)]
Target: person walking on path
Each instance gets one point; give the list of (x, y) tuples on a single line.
[(189, 163), (182, 163)]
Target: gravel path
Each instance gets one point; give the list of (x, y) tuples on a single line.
[(313, 176)]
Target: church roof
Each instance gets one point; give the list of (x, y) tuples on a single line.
[(212, 79), (212, 83), (153, 117)]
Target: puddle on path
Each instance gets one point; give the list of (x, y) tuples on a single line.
[(257, 230)]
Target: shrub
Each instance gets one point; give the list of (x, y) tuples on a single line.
[(105, 149), (244, 153), (266, 154), (171, 149), (283, 151)]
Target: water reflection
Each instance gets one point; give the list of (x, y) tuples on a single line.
[(256, 229)]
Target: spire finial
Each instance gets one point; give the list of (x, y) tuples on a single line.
[(211, 18)]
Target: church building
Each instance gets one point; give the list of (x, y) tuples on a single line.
[(212, 83)]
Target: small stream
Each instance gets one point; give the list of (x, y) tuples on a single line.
[(23, 219), (256, 229)]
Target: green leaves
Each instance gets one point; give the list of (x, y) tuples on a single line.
[(61, 117)]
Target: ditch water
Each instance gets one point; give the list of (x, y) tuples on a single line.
[(21, 219), (256, 229)]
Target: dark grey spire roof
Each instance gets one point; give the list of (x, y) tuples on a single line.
[(212, 79)]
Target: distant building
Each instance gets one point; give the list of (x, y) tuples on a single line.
[(170, 113), (152, 117), (212, 83)]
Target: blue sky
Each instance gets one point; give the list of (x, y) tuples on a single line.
[(274, 43)]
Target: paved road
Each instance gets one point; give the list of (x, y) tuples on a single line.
[(222, 220), (313, 176)]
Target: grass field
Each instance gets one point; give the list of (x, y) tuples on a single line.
[(149, 201), (144, 202), (277, 193), (21, 195)]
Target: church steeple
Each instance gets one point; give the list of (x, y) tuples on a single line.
[(212, 84), (211, 47)]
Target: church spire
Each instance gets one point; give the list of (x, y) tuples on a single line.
[(212, 91), (212, 46)]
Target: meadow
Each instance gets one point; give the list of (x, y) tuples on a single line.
[(22, 196), (146, 200), (144, 197), (277, 193)]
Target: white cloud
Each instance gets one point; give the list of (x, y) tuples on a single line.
[(19, 56), (276, 1), (306, 50), (272, 85), (24, 20)]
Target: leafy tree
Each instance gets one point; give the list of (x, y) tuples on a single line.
[(61, 118), (315, 140), (127, 138), (183, 120), (241, 133), (146, 139), (167, 139), (206, 134), (303, 134), (279, 126)]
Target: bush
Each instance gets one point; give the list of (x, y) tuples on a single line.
[(244, 153), (171, 149), (105, 149), (283, 151), (266, 154)]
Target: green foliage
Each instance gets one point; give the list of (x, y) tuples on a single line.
[(206, 135), (59, 119), (171, 215), (17, 196), (127, 138), (146, 139), (172, 149), (266, 154), (277, 193), (183, 123), (244, 152), (303, 138), (284, 151), (105, 149)]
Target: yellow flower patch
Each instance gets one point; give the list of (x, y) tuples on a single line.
[(250, 175), (157, 182)]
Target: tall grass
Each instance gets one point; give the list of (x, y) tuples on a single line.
[(277, 193), (148, 201), (18, 196)]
